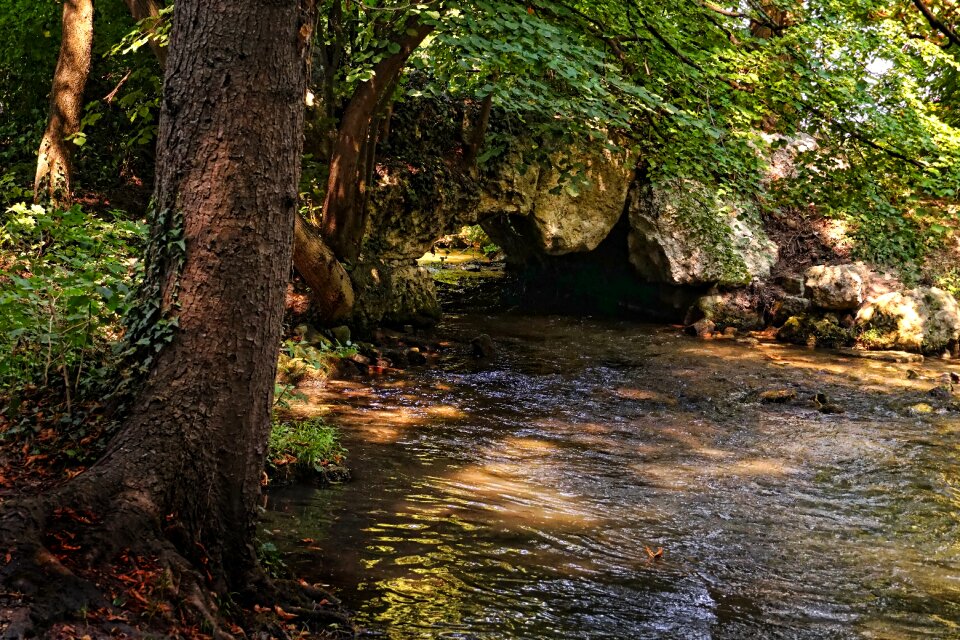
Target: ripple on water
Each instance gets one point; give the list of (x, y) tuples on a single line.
[(522, 499)]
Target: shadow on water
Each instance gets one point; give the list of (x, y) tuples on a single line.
[(521, 498)]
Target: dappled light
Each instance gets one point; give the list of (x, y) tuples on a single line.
[(555, 475)]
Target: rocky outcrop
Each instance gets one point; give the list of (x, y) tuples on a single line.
[(835, 288), (396, 292), (685, 234), (925, 319), (410, 208), (535, 212)]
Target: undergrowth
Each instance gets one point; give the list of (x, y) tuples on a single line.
[(305, 449)]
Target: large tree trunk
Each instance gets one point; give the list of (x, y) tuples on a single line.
[(54, 159), (329, 284), (228, 159), (189, 456), (344, 208)]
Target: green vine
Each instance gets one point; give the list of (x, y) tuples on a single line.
[(152, 324)]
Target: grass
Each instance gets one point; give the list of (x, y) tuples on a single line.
[(306, 449)]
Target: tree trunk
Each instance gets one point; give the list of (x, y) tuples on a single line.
[(329, 283), (189, 456), (141, 10), (228, 163), (54, 165), (330, 286), (344, 211)]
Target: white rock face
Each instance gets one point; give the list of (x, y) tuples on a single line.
[(837, 288), (925, 319), (563, 219), (685, 234)]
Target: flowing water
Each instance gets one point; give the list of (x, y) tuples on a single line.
[(523, 497)]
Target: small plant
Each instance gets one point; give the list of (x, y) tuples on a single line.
[(66, 279), (306, 448), (271, 560)]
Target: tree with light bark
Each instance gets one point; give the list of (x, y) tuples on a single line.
[(55, 156)]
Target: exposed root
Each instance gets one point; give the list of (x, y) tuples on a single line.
[(68, 568)]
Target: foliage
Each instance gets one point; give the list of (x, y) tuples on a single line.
[(65, 282), (310, 447)]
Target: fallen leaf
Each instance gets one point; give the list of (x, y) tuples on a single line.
[(283, 614)]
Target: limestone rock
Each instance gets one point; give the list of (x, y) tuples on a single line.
[(837, 288), (787, 307), (702, 328), (558, 218), (394, 291), (685, 234), (925, 319), (813, 331), (729, 309)]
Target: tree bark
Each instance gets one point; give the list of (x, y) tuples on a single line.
[(329, 283), (330, 286), (54, 158), (344, 213), (228, 161), (184, 470)]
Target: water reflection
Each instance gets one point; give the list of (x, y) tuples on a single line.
[(518, 499)]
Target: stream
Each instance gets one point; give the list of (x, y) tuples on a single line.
[(527, 497)]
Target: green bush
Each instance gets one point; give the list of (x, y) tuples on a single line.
[(66, 279), (305, 448)]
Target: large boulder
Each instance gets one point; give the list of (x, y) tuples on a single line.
[(554, 217), (925, 319), (683, 233), (738, 309), (394, 291), (836, 288), (410, 207)]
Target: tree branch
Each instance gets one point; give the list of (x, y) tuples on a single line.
[(936, 23)]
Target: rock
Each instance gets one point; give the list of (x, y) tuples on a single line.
[(912, 375), (824, 405), (778, 395), (729, 309), (791, 283), (838, 288), (883, 356), (683, 233), (341, 334), (398, 359), (750, 341), (813, 331), (415, 357), (483, 346), (786, 307), (730, 332), (396, 291), (360, 359), (703, 328), (942, 391), (552, 218), (925, 319)]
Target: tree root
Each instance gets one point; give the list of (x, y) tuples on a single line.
[(118, 573)]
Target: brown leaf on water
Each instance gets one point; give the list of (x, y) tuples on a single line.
[(654, 555)]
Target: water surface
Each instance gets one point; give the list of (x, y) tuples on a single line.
[(522, 498)]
